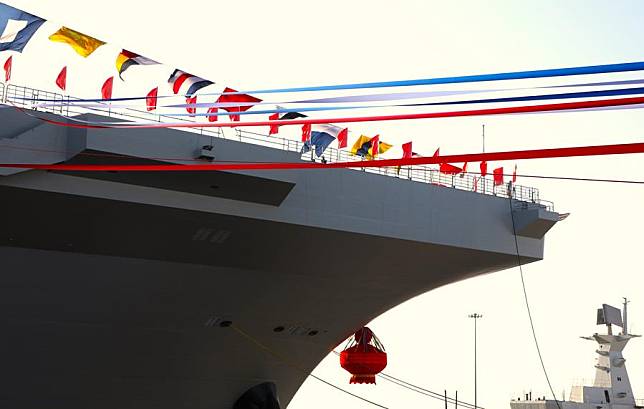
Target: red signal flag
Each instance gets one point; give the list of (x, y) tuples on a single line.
[(191, 110), (343, 137), (106, 89), (514, 174), (231, 95), (449, 169), (375, 146), (306, 132), (498, 176), (483, 168), (7, 68), (61, 79), (212, 118), (151, 99), (273, 128), (407, 152), (464, 170)]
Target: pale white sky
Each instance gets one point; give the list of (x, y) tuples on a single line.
[(590, 258)]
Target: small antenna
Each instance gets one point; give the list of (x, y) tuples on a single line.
[(625, 317)]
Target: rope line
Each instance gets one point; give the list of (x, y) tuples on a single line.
[(571, 178), (191, 159), (523, 109), (473, 157), (527, 304), (418, 389), (294, 365), (516, 75), (224, 105)]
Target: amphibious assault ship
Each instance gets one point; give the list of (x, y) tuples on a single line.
[(183, 290)]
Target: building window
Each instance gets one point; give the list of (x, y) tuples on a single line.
[(619, 378)]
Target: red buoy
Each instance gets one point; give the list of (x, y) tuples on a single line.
[(363, 357)]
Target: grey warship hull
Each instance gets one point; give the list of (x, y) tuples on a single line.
[(183, 290)]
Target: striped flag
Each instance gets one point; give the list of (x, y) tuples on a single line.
[(186, 84), (321, 136), (126, 59)]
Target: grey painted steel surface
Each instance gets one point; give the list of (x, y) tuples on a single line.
[(113, 291)]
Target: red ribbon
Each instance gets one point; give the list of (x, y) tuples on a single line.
[(471, 157), (427, 115)]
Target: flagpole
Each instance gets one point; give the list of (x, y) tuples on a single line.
[(5, 84), (483, 138), (482, 178), (65, 96), (6, 88)]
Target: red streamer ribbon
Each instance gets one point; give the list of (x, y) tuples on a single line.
[(427, 115), (472, 157)]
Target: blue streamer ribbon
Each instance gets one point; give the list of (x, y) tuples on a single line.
[(553, 72), (547, 73), (567, 95)]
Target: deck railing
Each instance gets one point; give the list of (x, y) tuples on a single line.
[(39, 100)]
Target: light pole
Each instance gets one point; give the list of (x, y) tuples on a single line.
[(476, 316)]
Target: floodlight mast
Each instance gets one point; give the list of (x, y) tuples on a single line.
[(476, 316)]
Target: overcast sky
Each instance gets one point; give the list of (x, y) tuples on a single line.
[(593, 257)]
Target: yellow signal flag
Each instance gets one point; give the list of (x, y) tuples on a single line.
[(83, 44), (382, 147), (366, 152), (358, 144)]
